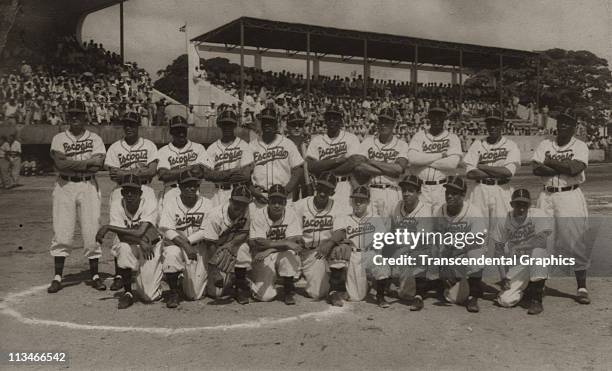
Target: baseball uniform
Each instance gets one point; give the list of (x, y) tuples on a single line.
[(385, 192), (223, 157), (273, 162), (148, 280), (515, 233), (563, 199), (346, 144), (178, 219), (172, 158), (76, 190), (432, 191), (125, 157), (281, 263)]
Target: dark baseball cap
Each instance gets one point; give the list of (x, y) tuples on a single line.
[(130, 181), (521, 195), (178, 122), (455, 182), (333, 110), (362, 192), (187, 176), (76, 106), (567, 118), (327, 179), (130, 118), (437, 111), (387, 114), (228, 115), (295, 119), (277, 190), (241, 193), (495, 118), (412, 180), (268, 114)]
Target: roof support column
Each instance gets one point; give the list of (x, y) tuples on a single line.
[(121, 31), (315, 68), (257, 58), (501, 86), (415, 72), (537, 102), (366, 72), (460, 82), (308, 63), (241, 60)]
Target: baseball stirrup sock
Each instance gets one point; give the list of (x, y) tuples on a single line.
[(581, 279), (117, 269), (421, 286), (537, 289), (336, 280), (58, 263), (93, 267), (475, 286), (126, 277), (172, 279)]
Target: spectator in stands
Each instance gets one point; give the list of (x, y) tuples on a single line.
[(191, 116), (14, 157), (9, 111), (5, 174)]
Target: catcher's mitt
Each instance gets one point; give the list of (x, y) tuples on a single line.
[(224, 259), (342, 251)]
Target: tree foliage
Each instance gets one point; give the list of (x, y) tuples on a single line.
[(173, 80)]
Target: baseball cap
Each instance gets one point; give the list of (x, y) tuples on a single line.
[(187, 176), (268, 114), (130, 181), (495, 117), (333, 110), (361, 192), (76, 106), (521, 195), (387, 114), (327, 179), (295, 119), (456, 182), (130, 118), (178, 122), (412, 180), (437, 111), (277, 190), (227, 115), (567, 118), (241, 193)]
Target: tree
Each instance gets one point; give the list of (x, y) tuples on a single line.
[(173, 80)]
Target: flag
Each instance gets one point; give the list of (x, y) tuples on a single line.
[(183, 28)]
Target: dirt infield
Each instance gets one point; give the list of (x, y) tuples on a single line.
[(207, 334)]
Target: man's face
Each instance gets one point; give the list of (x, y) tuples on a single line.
[(385, 126), (494, 129), (227, 128), (130, 129), (454, 197), (131, 195), (76, 121), (436, 123), (360, 205), (268, 126), (520, 208), (565, 129), (333, 123), (410, 193), (323, 192), (294, 130), (276, 205), (190, 189), (179, 136), (238, 207)]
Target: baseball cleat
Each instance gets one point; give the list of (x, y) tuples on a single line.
[(382, 302), (583, 296), (535, 307), (117, 283), (505, 284), (472, 305), (55, 287), (417, 304), (125, 301), (173, 299), (243, 296), (290, 298), (335, 299), (97, 284)]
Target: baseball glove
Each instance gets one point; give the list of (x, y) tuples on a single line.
[(224, 259), (342, 251)]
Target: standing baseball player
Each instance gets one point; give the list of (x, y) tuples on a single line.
[(130, 155), (336, 152), (525, 231), (561, 163), (276, 160), (434, 155), (137, 245), (226, 230), (349, 253), (77, 154), (317, 214), (492, 162), (177, 156), (275, 238), (230, 158), (181, 217), (412, 215), (383, 159), (464, 282), (295, 133)]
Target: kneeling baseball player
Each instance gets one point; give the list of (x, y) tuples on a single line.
[(463, 282), (137, 246), (181, 216), (349, 253), (275, 238), (524, 232), (227, 229)]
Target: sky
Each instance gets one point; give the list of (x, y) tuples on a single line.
[(153, 40)]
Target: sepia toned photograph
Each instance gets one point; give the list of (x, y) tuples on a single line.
[(321, 185)]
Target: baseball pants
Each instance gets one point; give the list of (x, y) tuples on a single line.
[(15, 169), (406, 274), (243, 260), (460, 291), (149, 272), (520, 276), (356, 276), (384, 200), (571, 224), (5, 172), (433, 195), (195, 272), (342, 195), (316, 273), (70, 198), (263, 275)]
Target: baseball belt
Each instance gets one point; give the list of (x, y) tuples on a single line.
[(562, 189), (493, 181), (343, 178), (77, 178), (434, 182), (382, 186)]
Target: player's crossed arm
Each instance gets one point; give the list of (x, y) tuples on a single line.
[(93, 164), (143, 236)]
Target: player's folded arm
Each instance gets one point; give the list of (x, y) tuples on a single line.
[(568, 167), (419, 158), (319, 166), (296, 176), (541, 169), (348, 166), (366, 168), (61, 163), (497, 171), (446, 163)]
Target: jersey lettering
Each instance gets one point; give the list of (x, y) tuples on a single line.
[(227, 157), (564, 155), (132, 157), (333, 151), (319, 223), (359, 230), (182, 159), (277, 232), (493, 155), (385, 155), (78, 148), (272, 154), (188, 220), (436, 146)]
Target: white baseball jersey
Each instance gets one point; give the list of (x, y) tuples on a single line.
[(574, 150), (126, 157), (317, 225), (503, 153), (274, 161), (373, 149), (427, 143), (514, 233), (322, 147), (172, 158), (469, 219), (360, 231), (418, 220), (176, 218), (146, 213), (263, 227), (78, 149), (219, 223), (229, 156)]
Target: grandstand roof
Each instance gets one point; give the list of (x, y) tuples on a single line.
[(350, 43)]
